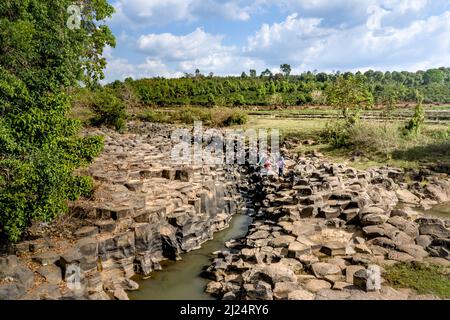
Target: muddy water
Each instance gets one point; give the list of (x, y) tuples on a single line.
[(181, 280), (442, 210)]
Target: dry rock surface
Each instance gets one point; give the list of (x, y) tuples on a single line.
[(318, 233), (327, 231), (144, 210)]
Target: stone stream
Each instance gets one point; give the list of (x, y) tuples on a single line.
[(317, 233)]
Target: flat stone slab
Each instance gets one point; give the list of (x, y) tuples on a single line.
[(46, 258)]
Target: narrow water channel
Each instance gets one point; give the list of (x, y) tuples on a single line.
[(441, 210), (181, 280)]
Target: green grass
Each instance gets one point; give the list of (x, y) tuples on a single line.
[(324, 110), (303, 129), (443, 107), (425, 279), (380, 149)]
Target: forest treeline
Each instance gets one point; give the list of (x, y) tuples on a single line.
[(281, 89)]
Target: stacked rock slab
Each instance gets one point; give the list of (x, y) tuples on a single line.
[(326, 231), (144, 210)]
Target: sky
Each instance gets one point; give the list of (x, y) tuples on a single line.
[(168, 38)]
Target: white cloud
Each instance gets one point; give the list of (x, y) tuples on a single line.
[(120, 68), (308, 44), (169, 55), (198, 49), (325, 35), (190, 46)]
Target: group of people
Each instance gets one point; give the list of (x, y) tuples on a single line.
[(266, 164)]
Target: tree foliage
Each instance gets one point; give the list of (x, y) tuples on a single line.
[(40, 57), (349, 94), (306, 88)]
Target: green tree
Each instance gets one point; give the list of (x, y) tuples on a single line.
[(286, 69), (267, 73), (349, 94), (108, 109), (40, 57), (252, 73), (433, 76)]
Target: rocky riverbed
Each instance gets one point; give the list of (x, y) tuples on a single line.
[(144, 210), (327, 231), (316, 233)]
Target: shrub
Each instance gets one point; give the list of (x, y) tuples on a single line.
[(219, 117), (108, 109), (37, 164), (415, 124), (337, 134), (236, 118), (155, 116), (190, 115), (375, 138), (225, 117)]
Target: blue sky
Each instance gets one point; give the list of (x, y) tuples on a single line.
[(170, 37)]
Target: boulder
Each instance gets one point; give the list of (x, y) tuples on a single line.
[(300, 228), (46, 258), (323, 269), (409, 227), (293, 264), (274, 273), (413, 250), (350, 271), (315, 285), (229, 296), (406, 196), (334, 248), (282, 241), (11, 291), (297, 249), (259, 291), (400, 256), (435, 230), (308, 212), (84, 255), (260, 234), (424, 241), (84, 232), (214, 288), (300, 295), (51, 273), (373, 219), (282, 289)]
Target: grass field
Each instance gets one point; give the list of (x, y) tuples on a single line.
[(409, 153)]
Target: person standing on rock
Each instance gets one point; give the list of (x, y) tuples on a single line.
[(280, 164), (268, 165)]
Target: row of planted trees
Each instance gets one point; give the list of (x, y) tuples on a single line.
[(284, 89)]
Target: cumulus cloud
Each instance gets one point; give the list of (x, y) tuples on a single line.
[(193, 45), (121, 68), (169, 55), (310, 45), (325, 35)]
